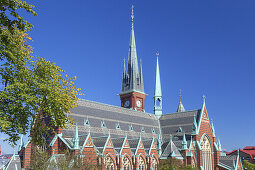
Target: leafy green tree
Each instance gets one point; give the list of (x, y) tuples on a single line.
[(173, 164), (248, 166), (28, 84)]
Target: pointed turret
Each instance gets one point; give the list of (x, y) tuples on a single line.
[(21, 144), (171, 147), (159, 143), (213, 131), (157, 93), (219, 144), (76, 138), (194, 127), (191, 143), (184, 142), (180, 106)]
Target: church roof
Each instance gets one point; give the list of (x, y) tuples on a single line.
[(176, 123), (227, 160), (98, 114)]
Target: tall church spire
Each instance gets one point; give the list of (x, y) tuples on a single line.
[(133, 81), (132, 90), (157, 93)]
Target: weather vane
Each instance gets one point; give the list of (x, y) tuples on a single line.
[(157, 54), (204, 98), (180, 94), (132, 15)]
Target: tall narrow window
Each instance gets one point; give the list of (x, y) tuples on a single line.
[(154, 163), (141, 163), (126, 163), (206, 153), (109, 164)]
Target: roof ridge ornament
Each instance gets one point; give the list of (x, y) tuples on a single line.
[(204, 97)]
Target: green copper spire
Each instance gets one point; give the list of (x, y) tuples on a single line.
[(184, 142), (180, 106), (194, 127), (133, 79), (213, 131), (21, 142), (219, 144), (76, 138), (159, 145), (191, 143), (171, 147), (157, 93)]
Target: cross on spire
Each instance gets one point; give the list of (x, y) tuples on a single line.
[(132, 14), (180, 94), (204, 98)]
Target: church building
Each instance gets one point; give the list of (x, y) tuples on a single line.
[(128, 138)]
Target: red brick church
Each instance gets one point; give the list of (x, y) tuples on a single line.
[(128, 138)]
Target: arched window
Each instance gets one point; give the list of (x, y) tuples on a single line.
[(154, 163), (109, 164), (206, 153), (126, 163), (141, 163)]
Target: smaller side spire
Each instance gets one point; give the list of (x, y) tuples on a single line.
[(157, 93), (180, 106), (159, 143), (184, 142), (76, 138), (213, 131), (171, 147), (219, 145), (194, 127), (191, 143), (21, 143)]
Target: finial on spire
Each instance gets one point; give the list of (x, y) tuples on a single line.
[(180, 94), (157, 54), (204, 98), (132, 14)]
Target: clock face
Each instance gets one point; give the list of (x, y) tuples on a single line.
[(127, 103), (138, 103)]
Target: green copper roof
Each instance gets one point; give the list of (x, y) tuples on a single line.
[(194, 127), (157, 92), (184, 142)]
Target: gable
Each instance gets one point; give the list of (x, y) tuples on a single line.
[(109, 143), (89, 142)]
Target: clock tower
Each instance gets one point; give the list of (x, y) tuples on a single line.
[(132, 91)]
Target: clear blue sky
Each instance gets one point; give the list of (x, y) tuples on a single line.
[(206, 47)]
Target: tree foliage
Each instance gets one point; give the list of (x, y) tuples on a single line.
[(28, 84), (248, 166), (173, 164), (64, 161)]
